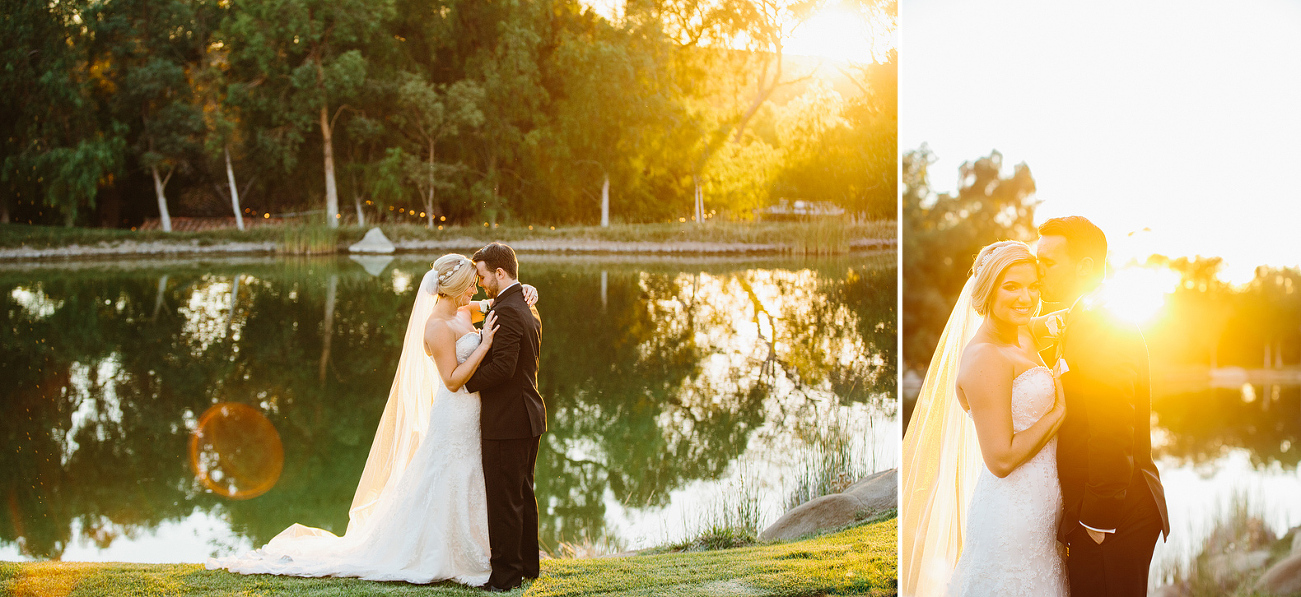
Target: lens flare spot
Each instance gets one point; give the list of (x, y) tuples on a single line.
[(236, 452)]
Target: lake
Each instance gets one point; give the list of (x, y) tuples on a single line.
[(169, 410), (1224, 447)]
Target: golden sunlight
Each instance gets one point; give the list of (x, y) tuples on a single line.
[(1137, 293), (840, 33)]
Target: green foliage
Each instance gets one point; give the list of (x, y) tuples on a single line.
[(308, 240), (510, 112), (830, 464)]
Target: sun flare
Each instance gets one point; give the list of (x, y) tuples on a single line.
[(840, 33), (1137, 294)]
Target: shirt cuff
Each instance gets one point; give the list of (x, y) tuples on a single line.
[(1097, 530)]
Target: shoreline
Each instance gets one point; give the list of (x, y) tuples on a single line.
[(130, 248)]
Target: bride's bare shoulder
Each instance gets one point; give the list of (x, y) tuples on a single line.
[(437, 330), (984, 364)]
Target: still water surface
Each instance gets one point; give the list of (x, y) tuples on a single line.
[(1220, 448), (168, 411)]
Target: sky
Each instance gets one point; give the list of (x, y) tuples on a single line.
[(1176, 121)]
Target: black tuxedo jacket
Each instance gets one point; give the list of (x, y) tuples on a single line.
[(1104, 447), (507, 379)]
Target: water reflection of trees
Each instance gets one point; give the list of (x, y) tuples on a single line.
[(1203, 425), (649, 389)]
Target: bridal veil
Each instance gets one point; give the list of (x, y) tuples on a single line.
[(406, 415), (941, 462)]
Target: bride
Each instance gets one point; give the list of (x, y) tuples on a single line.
[(980, 499), (420, 512)]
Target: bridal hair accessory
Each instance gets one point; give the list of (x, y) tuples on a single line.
[(447, 275), (1000, 247)]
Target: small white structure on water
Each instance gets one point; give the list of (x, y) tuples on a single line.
[(373, 242)]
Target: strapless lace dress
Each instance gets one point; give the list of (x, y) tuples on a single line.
[(1010, 540)]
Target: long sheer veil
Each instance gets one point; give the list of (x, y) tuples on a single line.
[(941, 461), (406, 416)]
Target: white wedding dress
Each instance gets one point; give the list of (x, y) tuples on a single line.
[(1010, 544), (428, 523)]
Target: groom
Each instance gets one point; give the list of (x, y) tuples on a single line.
[(512, 420), (1114, 504)]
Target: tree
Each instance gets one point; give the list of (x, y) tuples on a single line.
[(56, 153), (152, 47), (297, 58), (428, 116)]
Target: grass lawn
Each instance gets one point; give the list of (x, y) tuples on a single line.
[(858, 561), (795, 236)]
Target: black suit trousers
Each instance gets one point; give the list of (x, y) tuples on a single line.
[(512, 509), (1119, 566)]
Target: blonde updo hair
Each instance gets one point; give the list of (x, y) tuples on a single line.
[(989, 267), (456, 274)]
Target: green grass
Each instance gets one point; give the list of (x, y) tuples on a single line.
[(827, 237), (308, 240), (857, 561)]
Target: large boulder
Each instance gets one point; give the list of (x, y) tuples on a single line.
[(1227, 566), (1282, 579), (877, 492), (872, 494), (373, 242)]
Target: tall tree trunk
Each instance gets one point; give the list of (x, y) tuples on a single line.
[(605, 202), (361, 217), (4, 210), (331, 192), (234, 192), (328, 326), (159, 184)]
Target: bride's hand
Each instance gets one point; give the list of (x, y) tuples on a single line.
[(530, 294), (1059, 404), (489, 329)]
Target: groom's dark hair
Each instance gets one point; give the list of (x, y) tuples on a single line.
[(1083, 238), (498, 255)]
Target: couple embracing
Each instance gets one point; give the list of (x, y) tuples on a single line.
[(1028, 463), (447, 492)]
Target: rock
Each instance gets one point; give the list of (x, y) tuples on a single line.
[(872, 494), (373, 242), (1283, 578), (877, 492), (828, 511), (1227, 566), (373, 264)]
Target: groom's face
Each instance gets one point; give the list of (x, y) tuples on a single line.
[(487, 279), (1057, 269)]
